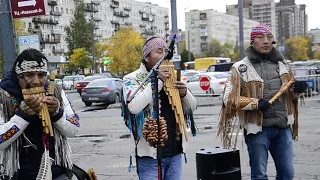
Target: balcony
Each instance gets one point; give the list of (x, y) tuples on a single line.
[(127, 8), (143, 25), (98, 35), (95, 2), (97, 19), (114, 22), (204, 46), (166, 28), (166, 16), (90, 8), (52, 3), (147, 18), (154, 27), (121, 14), (44, 21), (142, 11), (149, 32), (167, 22), (58, 51), (49, 40), (55, 13), (128, 23), (56, 31), (114, 6)]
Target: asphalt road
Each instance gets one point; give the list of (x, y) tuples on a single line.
[(103, 142)]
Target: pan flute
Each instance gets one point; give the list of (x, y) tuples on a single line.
[(174, 100), (44, 113)]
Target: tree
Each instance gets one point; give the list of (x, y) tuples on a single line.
[(80, 59), (125, 50), (214, 49), (296, 49), (185, 57), (227, 50), (79, 33), (316, 54)]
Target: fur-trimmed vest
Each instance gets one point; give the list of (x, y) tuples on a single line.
[(12, 127), (244, 88)]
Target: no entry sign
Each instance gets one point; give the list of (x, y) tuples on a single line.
[(205, 83), (27, 8)]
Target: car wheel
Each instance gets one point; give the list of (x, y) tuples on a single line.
[(88, 103), (117, 98)]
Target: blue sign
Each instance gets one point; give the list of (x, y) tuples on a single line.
[(281, 48), (171, 36), (29, 41), (310, 83)]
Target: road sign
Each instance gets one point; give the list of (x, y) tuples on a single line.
[(176, 58), (30, 41), (204, 83), (29, 8), (281, 48), (310, 83), (171, 36)]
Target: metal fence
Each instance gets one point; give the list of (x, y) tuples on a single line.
[(313, 83)]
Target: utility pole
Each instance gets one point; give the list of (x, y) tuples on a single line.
[(93, 48), (7, 37), (280, 23), (189, 54), (240, 7), (174, 23)]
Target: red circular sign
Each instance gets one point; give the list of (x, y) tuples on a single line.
[(205, 83)]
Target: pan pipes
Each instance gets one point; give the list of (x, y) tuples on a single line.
[(174, 100), (283, 89), (44, 113)]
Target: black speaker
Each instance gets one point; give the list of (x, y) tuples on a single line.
[(218, 164)]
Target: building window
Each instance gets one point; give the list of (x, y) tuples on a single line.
[(61, 10), (67, 10)]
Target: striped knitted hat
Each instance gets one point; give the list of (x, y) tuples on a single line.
[(262, 28), (153, 44)]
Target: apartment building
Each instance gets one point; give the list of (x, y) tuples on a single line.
[(204, 26), (262, 11), (108, 16), (291, 20)]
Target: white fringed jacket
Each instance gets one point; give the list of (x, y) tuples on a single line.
[(142, 106)]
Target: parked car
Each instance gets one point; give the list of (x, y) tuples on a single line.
[(106, 90), (84, 82), (217, 83), (309, 74), (186, 75), (69, 82), (107, 74), (221, 67)]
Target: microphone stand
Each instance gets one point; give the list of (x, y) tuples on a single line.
[(155, 96)]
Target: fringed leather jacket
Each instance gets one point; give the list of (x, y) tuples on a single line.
[(244, 88), (13, 125), (141, 106)]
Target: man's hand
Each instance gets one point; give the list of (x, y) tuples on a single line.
[(52, 104), (163, 74), (34, 103), (182, 87), (264, 105)]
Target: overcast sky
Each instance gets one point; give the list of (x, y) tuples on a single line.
[(220, 5)]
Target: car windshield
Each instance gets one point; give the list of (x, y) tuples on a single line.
[(99, 83), (221, 76)]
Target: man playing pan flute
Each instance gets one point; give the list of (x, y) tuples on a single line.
[(252, 82), (21, 129), (142, 106)]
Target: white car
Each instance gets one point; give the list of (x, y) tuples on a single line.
[(217, 83), (69, 82), (188, 74)]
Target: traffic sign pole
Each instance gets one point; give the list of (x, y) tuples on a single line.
[(7, 37), (204, 83)]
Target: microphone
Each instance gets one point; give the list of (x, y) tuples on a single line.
[(171, 48), (274, 42)]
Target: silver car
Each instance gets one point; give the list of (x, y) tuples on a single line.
[(106, 90)]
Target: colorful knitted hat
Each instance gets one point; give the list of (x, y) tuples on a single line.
[(262, 28), (153, 44)]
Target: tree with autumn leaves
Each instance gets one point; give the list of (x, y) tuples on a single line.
[(297, 48), (125, 50)]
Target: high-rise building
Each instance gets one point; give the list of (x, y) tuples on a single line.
[(146, 18), (291, 20), (204, 26), (315, 37), (262, 11)]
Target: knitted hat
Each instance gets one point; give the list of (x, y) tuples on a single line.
[(262, 28), (152, 44)]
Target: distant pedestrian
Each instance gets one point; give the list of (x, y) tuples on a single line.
[(252, 82)]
